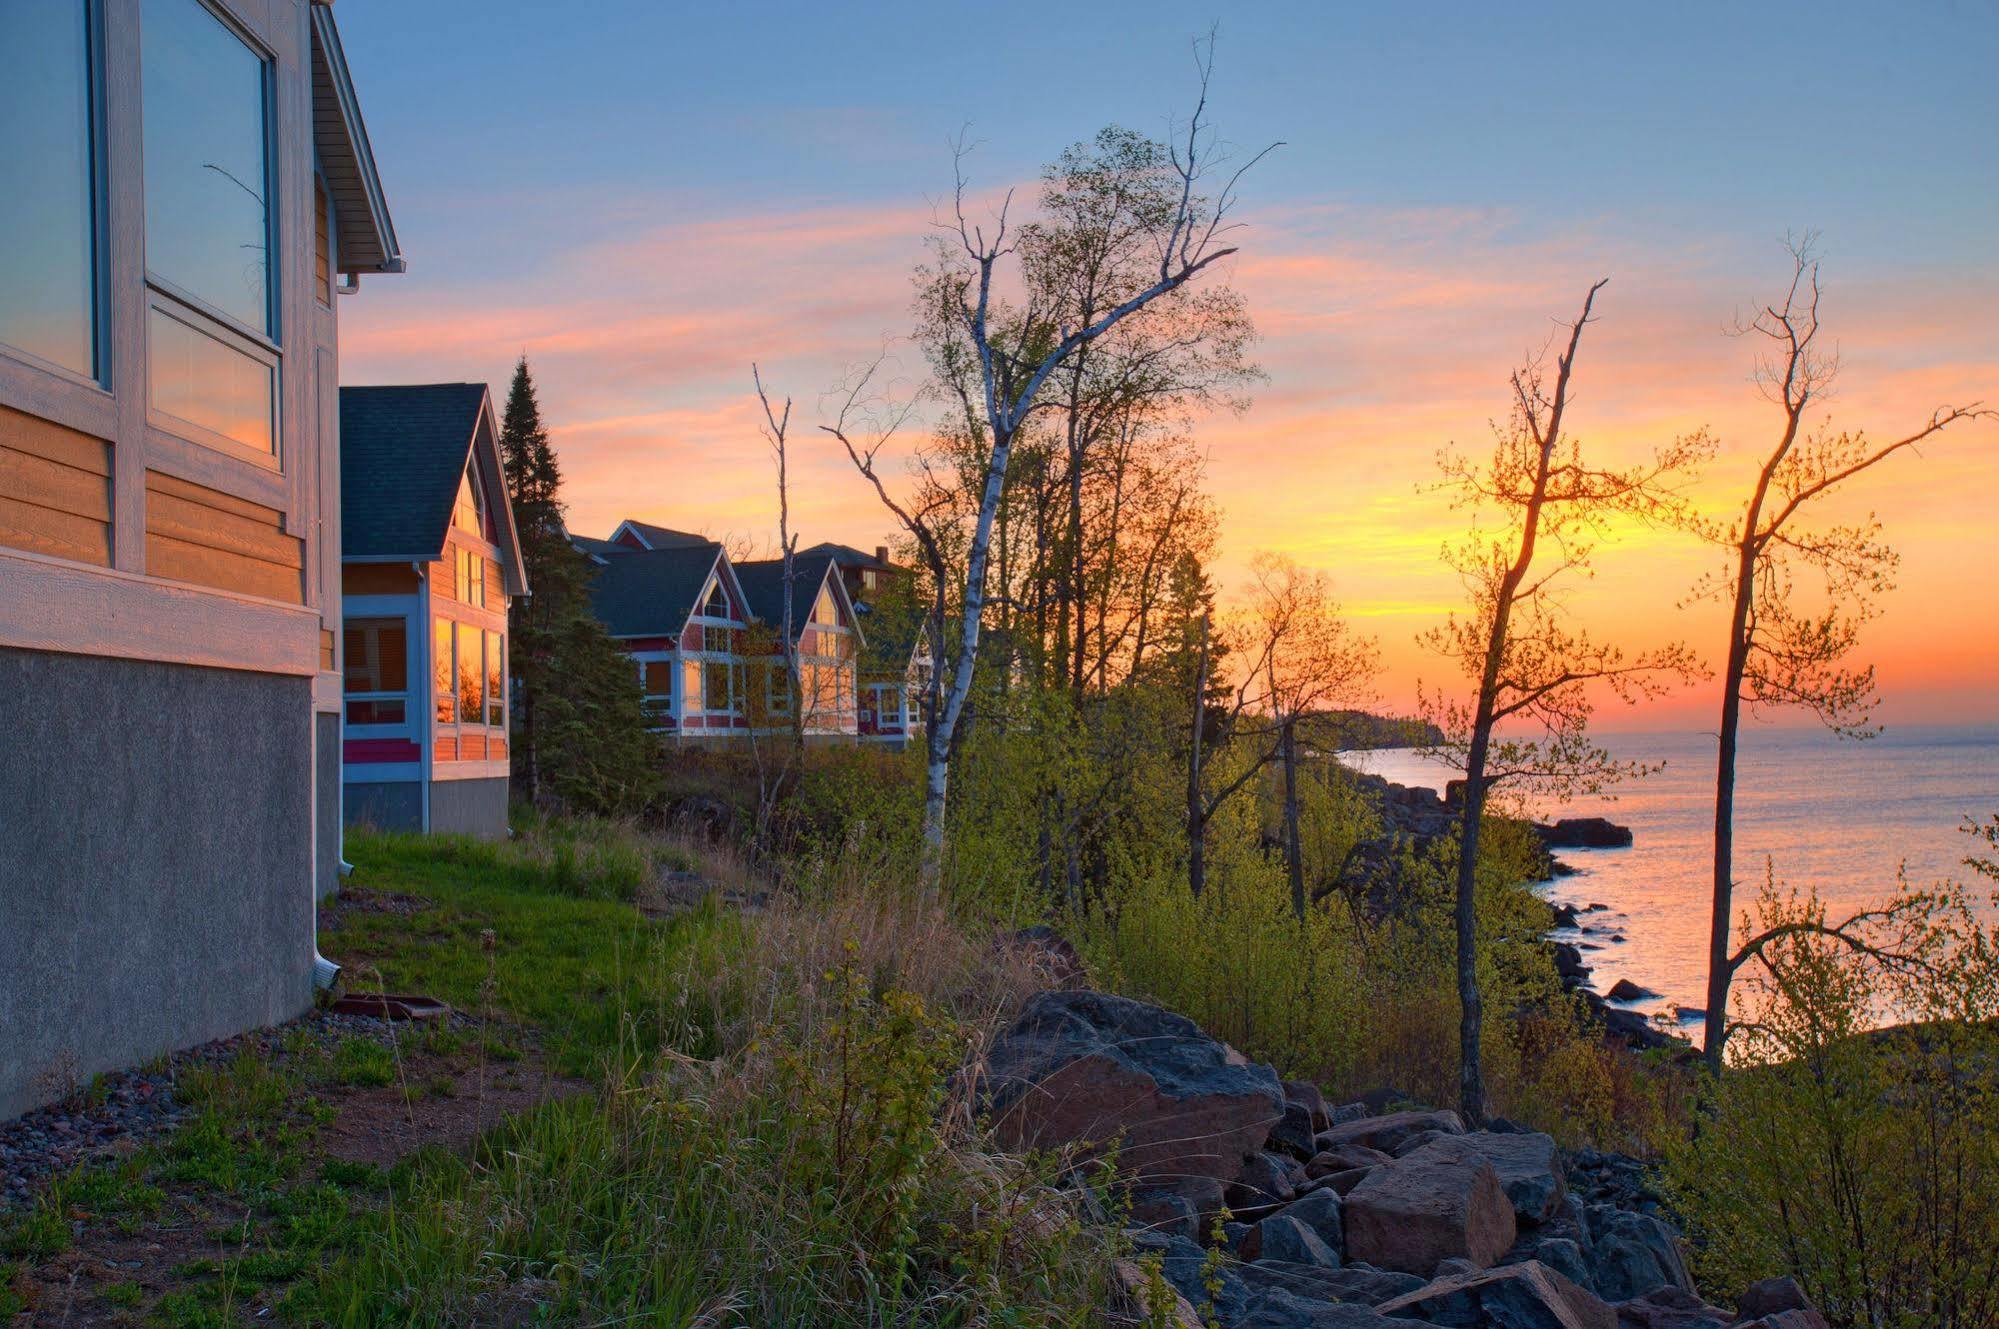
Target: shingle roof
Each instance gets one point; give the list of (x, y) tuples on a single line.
[(763, 586), (849, 557), (590, 544), (402, 452), (664, 537), (651, 592)]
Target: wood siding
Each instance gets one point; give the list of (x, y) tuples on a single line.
[(378, 579), (203, 536), (322, 246), (55, 489)]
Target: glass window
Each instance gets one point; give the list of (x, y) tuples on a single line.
[(777, 692), (440, 672), (824, 611), (690, 684), (715, 640), (496, 692), (656, 685), (48, 296), (466, 512), (717, 605), (715, 685), (207, 163), (209, 382), (471, 679), (377, 678)]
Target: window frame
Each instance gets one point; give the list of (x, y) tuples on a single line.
[(162, 294), (347, 697), (96, 144)]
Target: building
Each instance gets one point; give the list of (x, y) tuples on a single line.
[(894, 665), (703, 632), (189, 186), (430, 560), (826, 642)]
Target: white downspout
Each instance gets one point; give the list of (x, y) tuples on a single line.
[(324, 972)]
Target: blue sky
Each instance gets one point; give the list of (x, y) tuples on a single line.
[(646, 197)]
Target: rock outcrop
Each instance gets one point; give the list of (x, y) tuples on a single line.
[(1442, 1201)]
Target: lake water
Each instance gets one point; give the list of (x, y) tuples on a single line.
[(1839, 815)]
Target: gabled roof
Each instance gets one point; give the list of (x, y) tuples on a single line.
[(598, 550), (365, 238), (849, 557), (658, 537), (763, 585), (653, 592), (403, 450)]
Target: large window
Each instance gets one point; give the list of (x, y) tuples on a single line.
[(48, 264), (656, 683), (442, 688), (496, 686), (377, 681), (212, 331)]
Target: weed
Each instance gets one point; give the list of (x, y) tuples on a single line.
[(362, 1063)]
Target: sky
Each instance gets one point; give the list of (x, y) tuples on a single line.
[(648, 202)]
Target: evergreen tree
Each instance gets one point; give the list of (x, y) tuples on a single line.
[(579, 734)]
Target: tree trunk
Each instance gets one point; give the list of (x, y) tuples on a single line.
[(1294, 858), (1714, 1033), (1471, 1015), (1197, 813), (937, 778)]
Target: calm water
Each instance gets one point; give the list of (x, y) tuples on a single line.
[(1838, 815)]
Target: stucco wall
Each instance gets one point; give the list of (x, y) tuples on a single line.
[(326, 788), (155, 862), (387, 806), (469, 807)]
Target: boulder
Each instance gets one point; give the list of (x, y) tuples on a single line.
[(1584, 833), (1347, 1156), (1264, 1184), (1320, 1212), (1626, 990), (1082, 1067), (1384, 1133), (1670, 1308), (1280, 1308), (1165, 1211), (1409, 1144), (1769, 1295), (1306, 1095), (1185, 1265), (1344, 1182), (1361, 1283), (1520, 1296), (1564, 1255), (1444, 1200), (1530, 1170), (1136, 1286), (1632, 1254), (1293, 1133), (1287, 1239)]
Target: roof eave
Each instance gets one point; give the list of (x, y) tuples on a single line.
[(344, 149)]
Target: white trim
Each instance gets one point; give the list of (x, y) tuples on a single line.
[(501, 769), (52, 604)]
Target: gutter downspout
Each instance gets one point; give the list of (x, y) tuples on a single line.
[(324, 971), (427, 643)]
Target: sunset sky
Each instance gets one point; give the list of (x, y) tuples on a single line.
[(648, 200)]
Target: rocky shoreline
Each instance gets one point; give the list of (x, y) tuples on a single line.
[(1265, 1207), (1415, 816)]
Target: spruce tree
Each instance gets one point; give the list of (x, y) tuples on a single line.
[(580, 736)]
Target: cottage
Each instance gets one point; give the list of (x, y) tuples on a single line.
[(826, 642), (430, 560), (894, 665), (188, 187), (677, 606)]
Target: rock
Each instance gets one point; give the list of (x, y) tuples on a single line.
[(1165, 1211), (1047, 951), (1282, 1237), (1280, 1308), (1807, 1319), (1320, 1212), (1344, 1157), (1307, 1095), (1132, 1281), (1185, 1265), (1626, 990), (1234, 1234), (1353, 1282), (1411, 1143), (1529, 1168), (1386, 1132), (1567, 916), (1562, 1254), (1346, 1112), (1569, 963), (1520, 1296), (1770, 1295), (1443, 1200), (1631, 1254), (1082, 1067), (1294, 1133), (1670, 1308), (1584, 833), (1343, 1182), (1264, 1184)]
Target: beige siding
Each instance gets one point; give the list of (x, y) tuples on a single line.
[(55, 489), (199, 535)]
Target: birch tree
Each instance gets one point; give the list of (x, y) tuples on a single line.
[(1531, 668), (1782, 653), (1014, 349)]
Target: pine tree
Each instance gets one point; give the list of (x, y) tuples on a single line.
[(580, 734)]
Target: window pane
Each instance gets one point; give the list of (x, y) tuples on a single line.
[(715, 686), (716, 640), (496, 703), (690, 684), (47, 296), (440, 672), (375, 712), (469, 675), (207, 221), (377, 658), (657, 676), (208, 382)]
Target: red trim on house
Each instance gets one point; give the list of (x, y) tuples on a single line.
[(375, 751)]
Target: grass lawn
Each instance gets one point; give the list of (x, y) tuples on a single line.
[(297, 1144)]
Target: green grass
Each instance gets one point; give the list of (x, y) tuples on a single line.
[(583, 969)]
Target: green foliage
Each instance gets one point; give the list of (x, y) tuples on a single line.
[(1865, 1164), (362, 1062), (579, 732)]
